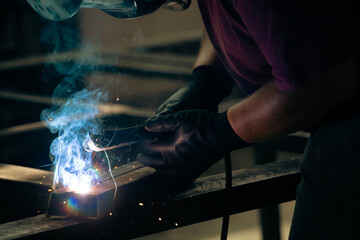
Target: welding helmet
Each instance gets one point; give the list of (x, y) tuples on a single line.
[(58, 10)]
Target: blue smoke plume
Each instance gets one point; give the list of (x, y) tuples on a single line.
[(74, 113), (73, 121)]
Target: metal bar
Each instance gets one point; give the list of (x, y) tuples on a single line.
[(142, 62), (141, 212), (100, 201), (105, 108), (24, 192)]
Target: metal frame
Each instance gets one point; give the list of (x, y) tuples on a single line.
[(142, 210)]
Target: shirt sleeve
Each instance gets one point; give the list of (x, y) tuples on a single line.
[(300, 39)]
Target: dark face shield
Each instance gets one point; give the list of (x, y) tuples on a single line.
[(58, 10)]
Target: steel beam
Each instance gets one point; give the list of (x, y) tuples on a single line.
[(141, 212)]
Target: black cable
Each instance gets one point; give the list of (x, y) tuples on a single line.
[(228, 183)]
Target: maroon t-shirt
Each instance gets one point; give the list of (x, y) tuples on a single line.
[(290, 41)]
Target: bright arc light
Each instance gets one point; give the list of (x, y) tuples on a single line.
[(81, 183), (74, 168), (81, 187)]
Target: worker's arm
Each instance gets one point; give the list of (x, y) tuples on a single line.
[(270, 113), (199, 138), (197, 135), (209, 85)]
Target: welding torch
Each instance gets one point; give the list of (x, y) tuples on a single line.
[(113, 138)]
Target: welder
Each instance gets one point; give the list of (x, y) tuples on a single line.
[(297, 62)]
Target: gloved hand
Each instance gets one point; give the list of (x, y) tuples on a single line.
[(199, 139), (208, 87)]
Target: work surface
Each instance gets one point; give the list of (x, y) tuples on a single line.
[(253, 188)]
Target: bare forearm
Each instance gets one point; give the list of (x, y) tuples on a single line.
[(207, 55), (270, 113)]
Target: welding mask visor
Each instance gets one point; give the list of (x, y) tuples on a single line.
[(57, 10)]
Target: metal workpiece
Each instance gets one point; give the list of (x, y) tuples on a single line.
[(24, 192), (70, 204), (102, 200), (141, 210)]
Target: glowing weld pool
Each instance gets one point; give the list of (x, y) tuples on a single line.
[(102, 199)]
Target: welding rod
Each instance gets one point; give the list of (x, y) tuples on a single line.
[(117, 138)]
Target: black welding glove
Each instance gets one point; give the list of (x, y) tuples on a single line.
[(199, 139), (209, 86)]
